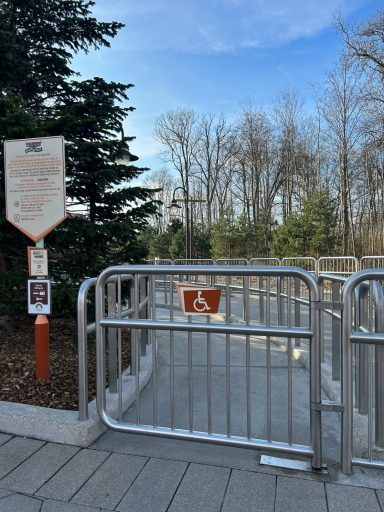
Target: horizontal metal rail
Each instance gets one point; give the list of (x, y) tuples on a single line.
[(217, 328)]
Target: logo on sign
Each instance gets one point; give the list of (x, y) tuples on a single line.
[(34, 146)]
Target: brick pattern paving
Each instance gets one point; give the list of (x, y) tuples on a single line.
[(48, 477)]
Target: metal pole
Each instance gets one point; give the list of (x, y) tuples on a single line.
[(346, 388), (82, 347), (336, 336), (112, 338), (379, 368), (363, 390), (297, 307)]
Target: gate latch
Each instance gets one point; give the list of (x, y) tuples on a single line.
[(328, 405)]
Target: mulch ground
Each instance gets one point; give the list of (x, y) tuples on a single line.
[(17, 365)]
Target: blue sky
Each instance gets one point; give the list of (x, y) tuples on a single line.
[(213, 55)]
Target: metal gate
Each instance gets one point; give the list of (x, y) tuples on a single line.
[(205, 383)]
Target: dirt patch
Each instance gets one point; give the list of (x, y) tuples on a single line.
[(17, 365)]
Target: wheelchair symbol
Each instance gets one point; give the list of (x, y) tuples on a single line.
[(200, 304)]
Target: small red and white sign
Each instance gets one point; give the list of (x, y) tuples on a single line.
[(39, 296), (198, 300)]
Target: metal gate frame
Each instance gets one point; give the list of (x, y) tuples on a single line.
[(314, 450), (356, 334)]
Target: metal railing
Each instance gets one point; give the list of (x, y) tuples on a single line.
[(341, 265), (114, 307), (367, 332), (210, 329), (274, 301), (344, 265)]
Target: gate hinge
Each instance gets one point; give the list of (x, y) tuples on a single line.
[(329, 304), (327, 405)]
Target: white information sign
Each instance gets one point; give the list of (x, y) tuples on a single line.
[(37, 262), (35, 184), (39, 296)]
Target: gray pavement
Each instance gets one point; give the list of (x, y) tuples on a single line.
[(144, 474)]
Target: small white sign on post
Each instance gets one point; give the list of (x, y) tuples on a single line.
[(37, 262), (35, 184), (39, 296)]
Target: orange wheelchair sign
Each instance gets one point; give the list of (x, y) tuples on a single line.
[(198, 300)]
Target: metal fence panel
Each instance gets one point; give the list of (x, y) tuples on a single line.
[(342, 265), (209, 330)]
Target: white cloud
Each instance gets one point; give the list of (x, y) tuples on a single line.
[(206, 26)]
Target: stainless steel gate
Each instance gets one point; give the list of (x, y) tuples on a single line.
[(218, 336)]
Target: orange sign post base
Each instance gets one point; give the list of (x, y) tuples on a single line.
[(42, 348)]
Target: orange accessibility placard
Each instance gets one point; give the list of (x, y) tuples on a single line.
[(198, 300)]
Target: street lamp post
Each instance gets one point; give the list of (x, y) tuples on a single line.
[(174, 208)]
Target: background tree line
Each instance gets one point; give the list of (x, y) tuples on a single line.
[(287, 181)]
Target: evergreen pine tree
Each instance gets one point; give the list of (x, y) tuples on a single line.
[(40, 95)]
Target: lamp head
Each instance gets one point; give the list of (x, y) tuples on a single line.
[(174, 207), (125, 157)]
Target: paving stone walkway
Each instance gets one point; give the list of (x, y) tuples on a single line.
[(177, 476)]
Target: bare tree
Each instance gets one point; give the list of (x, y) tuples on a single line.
[(288, 110), (165, 182), (343, 113), (176, 131), (213, 150)]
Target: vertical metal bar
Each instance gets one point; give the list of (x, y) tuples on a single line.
[(379, 394), (346, 388), (379, 367), (289, 351), (137, 349), (165, 289), (100, 349), (321, 320), (190, 377), (112, 338), (365, 310), (228, 354), (280, 300), (355, 349), (371, 392), (297, 307), (143, 313), (82, 322), (261, 300), (119, 354), (244, 303), (154, 350), (248, 358), (315, 382), (336, 336), (133, 331), (209, 378), (269, 364), (172, 354)]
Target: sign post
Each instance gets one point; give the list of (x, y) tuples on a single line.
[(35, 204)]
